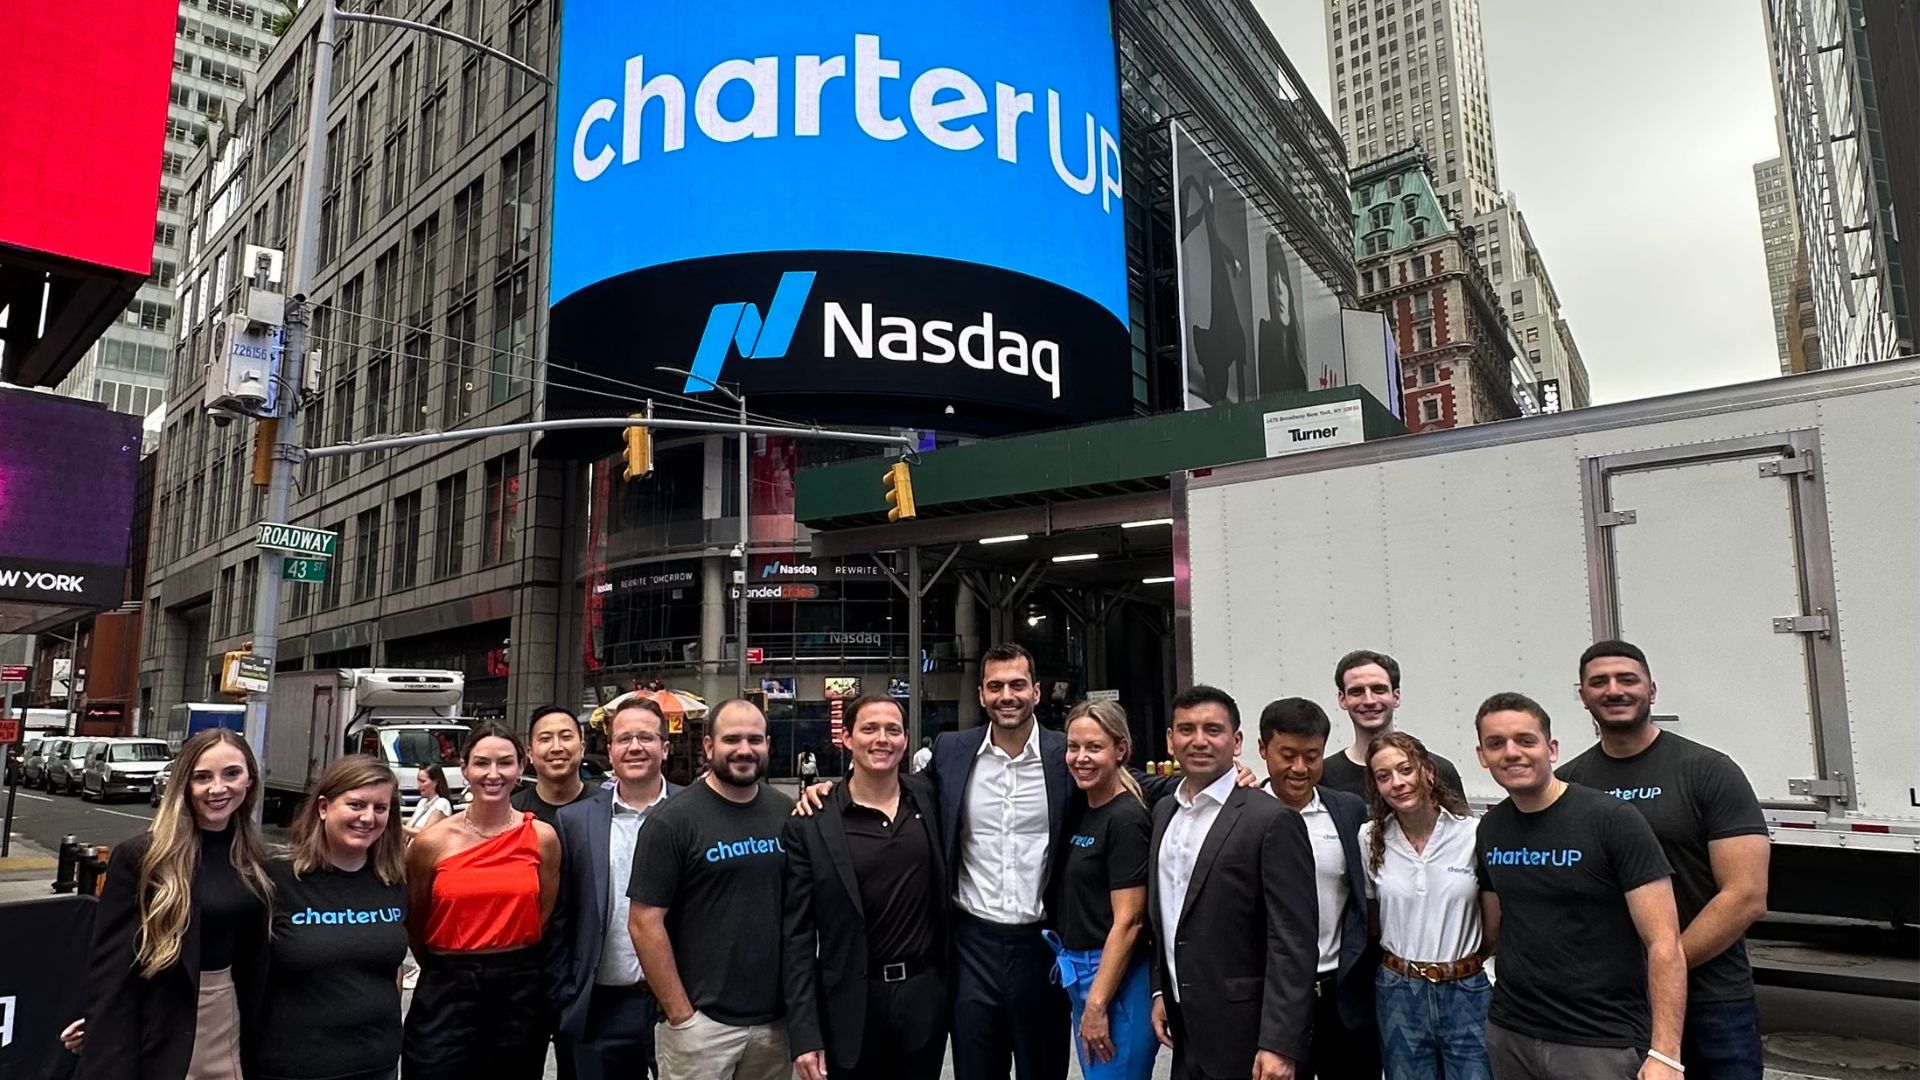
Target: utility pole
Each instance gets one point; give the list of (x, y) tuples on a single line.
[(740, 602)]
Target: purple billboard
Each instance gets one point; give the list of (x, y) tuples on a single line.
[(67, 472)]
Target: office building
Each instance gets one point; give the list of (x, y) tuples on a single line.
[(1780, 238), (1505, 247)]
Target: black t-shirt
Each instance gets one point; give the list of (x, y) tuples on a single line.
[(892, 862), (528, 798), (717, 866), (1341, 774), (1571, 966), (1106, 851), (331, 1006), (1691, 795)]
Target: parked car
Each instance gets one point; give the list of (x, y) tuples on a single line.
[(123, 767), (17, 755), (66, 764), (160, 784), (34, 771)]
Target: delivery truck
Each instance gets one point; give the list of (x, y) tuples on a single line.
[(1760, 542), (407, 718)]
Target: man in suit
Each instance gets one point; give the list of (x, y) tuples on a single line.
[(1293, 743), (1233, 905), (865, 919), (606, 1012)]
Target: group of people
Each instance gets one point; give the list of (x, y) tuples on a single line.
[(1021, 896)]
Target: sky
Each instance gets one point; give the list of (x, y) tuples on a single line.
[(1628, 132)]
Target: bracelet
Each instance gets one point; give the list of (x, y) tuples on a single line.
[(1665, 1060)]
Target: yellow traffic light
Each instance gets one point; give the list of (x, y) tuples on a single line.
[(900, 491), (639, 451)]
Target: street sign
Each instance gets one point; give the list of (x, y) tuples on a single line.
[(9, 732), (318, 543), (293, 569), (254, 673), (756, 654), (14, 673)]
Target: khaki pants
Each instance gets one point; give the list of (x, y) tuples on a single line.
[(706, 1049)]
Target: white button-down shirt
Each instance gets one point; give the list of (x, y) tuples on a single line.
[(1004, 835), (1429, 900), (1179, 848), (1329, 878), (619, 964)]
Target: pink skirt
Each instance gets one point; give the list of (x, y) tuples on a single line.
[(216, 1033)]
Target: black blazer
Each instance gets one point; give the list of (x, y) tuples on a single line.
[(1359, 957), (1247, 939), (143, 1029), (577, 933), (825, 959)]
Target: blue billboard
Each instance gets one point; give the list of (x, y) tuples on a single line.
[(923, 200)]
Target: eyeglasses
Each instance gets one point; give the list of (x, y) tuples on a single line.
[(634, 737)]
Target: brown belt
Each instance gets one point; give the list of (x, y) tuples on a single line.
[(1436, 972)]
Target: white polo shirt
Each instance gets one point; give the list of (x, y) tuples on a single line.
[(1329, 877), (1429, 900)]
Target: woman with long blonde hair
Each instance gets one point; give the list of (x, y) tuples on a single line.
[(1100, 900), (180, 934)]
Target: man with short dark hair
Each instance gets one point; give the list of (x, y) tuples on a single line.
[(607, 1011), (1234, 913), (1711, 827), (706, 914), (1369, 687), (1574, 887), (1293, 743), (555, 747)]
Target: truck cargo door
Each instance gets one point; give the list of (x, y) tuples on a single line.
[(1713, 558), (320, 734)]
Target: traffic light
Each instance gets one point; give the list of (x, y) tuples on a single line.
[(639, 451), (900, 491)]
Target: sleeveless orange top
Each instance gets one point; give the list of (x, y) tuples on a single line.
[(488, 896)]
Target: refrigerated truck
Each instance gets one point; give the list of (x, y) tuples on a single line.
[(1760, 542), (405, 717)]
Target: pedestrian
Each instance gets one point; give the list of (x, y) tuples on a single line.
[(1709, 824), (480, 887), (180, 934), (1431, 993), (1293, 743), (1100, 909), (1592, 985), (331, 1005), (809, 768), (866, 936), (923, 755), (1369, 686), (555, 746), (607, 1011), (1232, 899), (706, 914), (434, 804)]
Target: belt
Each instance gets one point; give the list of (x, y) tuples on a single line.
[(1323, 985), (640, 987), (898, 971), (1434, 972)]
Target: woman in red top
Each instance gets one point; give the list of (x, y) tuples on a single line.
[(480, 886)]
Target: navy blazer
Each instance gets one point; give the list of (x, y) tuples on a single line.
[(577, 933), (1359, 957)]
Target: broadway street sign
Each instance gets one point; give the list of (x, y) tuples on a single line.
[(317, 543)]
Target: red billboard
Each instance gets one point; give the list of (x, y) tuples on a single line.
[(83, 112)]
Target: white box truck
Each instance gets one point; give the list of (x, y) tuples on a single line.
[(1761, 542), (406, 718)]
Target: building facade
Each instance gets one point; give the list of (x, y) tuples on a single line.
[(1505, 247), (1418, 267), (1848, 95), (1780, 238)]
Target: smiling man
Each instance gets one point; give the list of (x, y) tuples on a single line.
[(1369, 686), (555, 747)]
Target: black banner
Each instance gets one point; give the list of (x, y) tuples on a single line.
[(43, 982), (71, 584)]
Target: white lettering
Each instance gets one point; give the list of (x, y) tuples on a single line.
[(584, 167), (810, 77), (939, 335), (868, 70), (862, 346), (979, 346), (1046, 365), (897, 338), (7, 1005), (1010, 106), (762, 121), (1013, 353), (932, 117), (983, 333), (1081, 184), (672, 97)]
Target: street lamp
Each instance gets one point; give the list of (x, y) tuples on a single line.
[(740, 598)]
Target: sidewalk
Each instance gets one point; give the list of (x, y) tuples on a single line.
[(27, 872)]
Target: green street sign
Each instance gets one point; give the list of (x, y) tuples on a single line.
[(316, 543), (292, 569)]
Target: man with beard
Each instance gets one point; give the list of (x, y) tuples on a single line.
[(1369, 686), (1709, 824), (706, 914), (555, 748)]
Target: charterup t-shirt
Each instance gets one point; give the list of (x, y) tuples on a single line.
[(1107, 850)]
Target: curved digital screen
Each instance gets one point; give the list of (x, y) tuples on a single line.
[(919, 200)]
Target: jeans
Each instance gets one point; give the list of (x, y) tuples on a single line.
[(1721, 1040), (1430, 1031), (1129, 1014)]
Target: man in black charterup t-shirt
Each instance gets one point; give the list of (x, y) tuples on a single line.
[(706, 915), (1369, 686), (1709, 823), (1575, 889)]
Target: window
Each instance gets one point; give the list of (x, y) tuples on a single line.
[(456, 396), (1419, 228), (1423, 338), (416, 371), (1430, 410), (449, 525), (1517, 298), (468, 206), (1381, 216), (406, 541), (503, 509), (366, 555), (1533, 357), (249, 591), (1428, 375), (395, 161), (524, 38), (423, 269), (519, 202), (511, 330), (433, 99), (330, 589), (1422, 305), (227, 626)]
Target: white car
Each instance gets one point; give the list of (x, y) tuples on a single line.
[(123, 767)]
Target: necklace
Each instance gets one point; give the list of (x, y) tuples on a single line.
[(475, 829)]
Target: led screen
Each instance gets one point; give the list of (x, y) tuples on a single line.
[(67, 472)]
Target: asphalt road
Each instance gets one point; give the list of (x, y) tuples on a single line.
[(45, 820)]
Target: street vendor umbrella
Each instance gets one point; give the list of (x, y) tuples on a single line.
[(678, 705)]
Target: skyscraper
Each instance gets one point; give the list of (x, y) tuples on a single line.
[(1780, 235), (217, 45)]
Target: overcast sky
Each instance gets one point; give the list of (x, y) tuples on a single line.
[(1628, 132)]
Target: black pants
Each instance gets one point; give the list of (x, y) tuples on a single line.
[(906, 1031), (1008, 1014), (1339, 1052), (618, 1043), (477, 1017)]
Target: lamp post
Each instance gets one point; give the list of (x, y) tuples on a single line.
[(740, 597)]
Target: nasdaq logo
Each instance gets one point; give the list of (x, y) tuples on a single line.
[(739, 325)]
